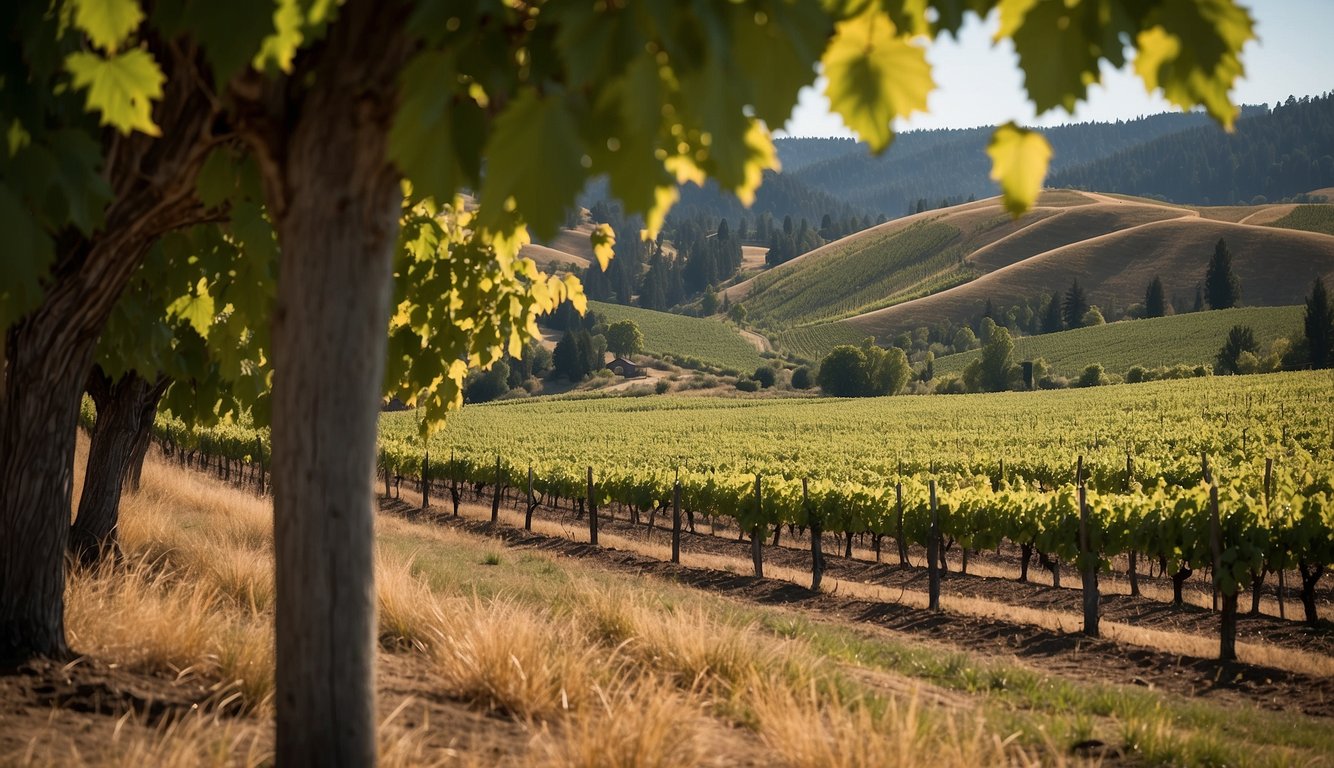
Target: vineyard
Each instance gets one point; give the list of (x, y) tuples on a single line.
[(1233, 476), (1311, 218), (712, 343), (1190, 339), (891, 268)]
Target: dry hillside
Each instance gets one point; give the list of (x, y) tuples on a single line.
[(1114, 245)]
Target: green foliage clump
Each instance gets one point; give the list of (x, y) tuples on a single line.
[(802, 378), (865, 371), (1240, 341), (624, 338)]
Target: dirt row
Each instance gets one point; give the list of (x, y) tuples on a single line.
[(1066, 654)]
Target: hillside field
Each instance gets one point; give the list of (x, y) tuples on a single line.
[(943, 265), (1193, 339), (709, 340)]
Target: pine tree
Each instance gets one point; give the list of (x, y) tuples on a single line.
[(1319, 323), (1154, 303), (1053, 322), (1075, 305), (1221, 286)]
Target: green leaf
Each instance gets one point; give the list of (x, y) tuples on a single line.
[(279, 48), (195, 308), (217, 178), (1058, 58), (875, 76), (533, 157), (122, 87), (1019, 160), (28, 255), (421, 141), (1191, 50), (107, 22)]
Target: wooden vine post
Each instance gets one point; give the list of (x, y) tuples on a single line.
[(756, 545), (259, 454), (1269, 479), (932, 554), (1227, 637), (898, 519), (1132, 556), (592, 511), (454, 483), (532, 502), (1088, 560), (676, 522), (426, 480), (495, 498), (817, 533)]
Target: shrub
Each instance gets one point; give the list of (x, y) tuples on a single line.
[(949, 384), (1092, 376), (802, 378), (764, 375), (745, 384), (1053, 382), (1136, 374), (662, 387)]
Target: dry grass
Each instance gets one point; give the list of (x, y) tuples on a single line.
[(582, 667), (599, 675)]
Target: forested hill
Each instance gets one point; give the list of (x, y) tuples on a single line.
[(952, 163), (1274, 155)]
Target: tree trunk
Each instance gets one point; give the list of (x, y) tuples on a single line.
[(1025, 555), (335, 198), (1227, 636), (49, 352), (121, 410), (1310, 575), (1257, 587), (1178, 580)]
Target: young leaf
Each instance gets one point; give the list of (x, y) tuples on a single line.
[(875, 76), (107, 22), (122, 87), (1191, 49), (1019, 160)]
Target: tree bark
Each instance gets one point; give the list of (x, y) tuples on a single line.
[(125, 410), (1178, 581), (49, 352), (321, 139), (1311, 574)]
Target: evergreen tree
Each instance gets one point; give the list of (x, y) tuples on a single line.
[(565, 359), (1319, 325), (1221, 286), (1075, 305), (1052, 322), (1199, 299), (1154, 303)]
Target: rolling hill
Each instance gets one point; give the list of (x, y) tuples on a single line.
[(1191, 339), (943, 266)]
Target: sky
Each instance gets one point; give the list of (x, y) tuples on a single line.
[(981, 84)]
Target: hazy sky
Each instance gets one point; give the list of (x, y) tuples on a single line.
[(978, 84)]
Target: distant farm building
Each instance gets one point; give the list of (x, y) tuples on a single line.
[(622, 367)]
